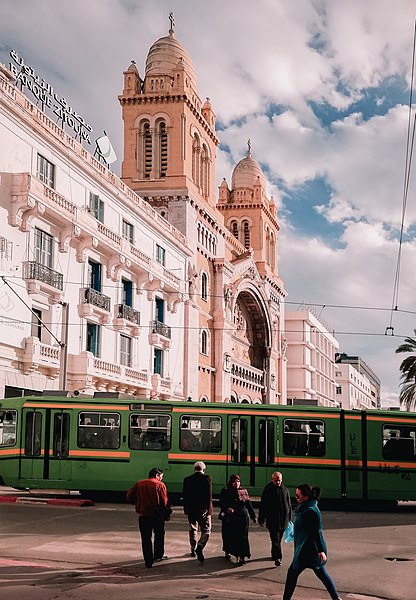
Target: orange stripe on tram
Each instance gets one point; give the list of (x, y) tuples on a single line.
[(99, 454), (68, 405), (220, 457), (308, 461), (10, 451)]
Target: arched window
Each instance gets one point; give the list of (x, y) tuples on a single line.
[(234, 229), (246, 234), (147, 138), (204, 177), (267, 245), (204, 286), (272, 251), (196, 160), (204, 342), (163, 149)]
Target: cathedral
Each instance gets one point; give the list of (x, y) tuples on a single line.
[(233, 342)]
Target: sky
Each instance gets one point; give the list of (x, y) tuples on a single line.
[(322, 90)]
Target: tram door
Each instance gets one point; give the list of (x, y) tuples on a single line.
[(252, 449), (45, 451)]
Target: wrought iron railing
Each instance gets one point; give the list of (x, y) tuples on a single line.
[(128, 313), (96, 298), (34, 270), (161, 329)]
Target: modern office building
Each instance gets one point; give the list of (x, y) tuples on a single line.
[(357, 384)]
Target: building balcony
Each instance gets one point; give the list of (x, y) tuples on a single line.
[(160, 335), (94, 304), (127, 319), (161, 387), (39, 357), (88, 373), (246, 377), (40, 279)]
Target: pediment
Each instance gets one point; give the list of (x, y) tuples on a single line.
[(245, 266)]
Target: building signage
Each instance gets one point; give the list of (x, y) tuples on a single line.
[(44, 93)]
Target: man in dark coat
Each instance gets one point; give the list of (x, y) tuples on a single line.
[(197, 505), (276, 511)]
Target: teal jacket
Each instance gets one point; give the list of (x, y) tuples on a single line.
[(309, 539)]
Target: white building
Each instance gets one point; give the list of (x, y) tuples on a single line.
[(357, 385), (310, 355), (93, 278)]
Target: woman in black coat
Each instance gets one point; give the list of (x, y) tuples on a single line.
[(235, 508)]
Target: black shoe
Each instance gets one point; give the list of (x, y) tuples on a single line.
[(278, 562), (193, 552), (164, 557), (200, 554), (241, 560), (227, 556), (149, 565)]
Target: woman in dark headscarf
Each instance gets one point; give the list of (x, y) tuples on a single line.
[(235, 508)]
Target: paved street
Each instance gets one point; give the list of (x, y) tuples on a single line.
[(82, 552)]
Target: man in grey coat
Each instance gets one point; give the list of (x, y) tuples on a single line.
[(197, 505), (276, 511)]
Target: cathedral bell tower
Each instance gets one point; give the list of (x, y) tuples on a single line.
[(169, 134)]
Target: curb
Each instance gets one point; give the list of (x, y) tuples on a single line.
[(50, 501)]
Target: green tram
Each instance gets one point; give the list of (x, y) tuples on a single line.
[(106, 444)]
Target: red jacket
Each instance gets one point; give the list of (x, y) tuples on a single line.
[(150, 497)]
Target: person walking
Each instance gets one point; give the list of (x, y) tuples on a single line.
[(197, 506), (310, 545), (236, 508), (152, 506), (276, 511)]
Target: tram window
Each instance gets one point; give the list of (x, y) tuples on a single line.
[(266, 441), (149, 432), (98, 430), (239, 440), (303, 437), (399, 442), (33, 434), (200, 433), (8, 426), (61, 435)]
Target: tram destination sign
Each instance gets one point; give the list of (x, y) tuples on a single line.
[(44, 93)]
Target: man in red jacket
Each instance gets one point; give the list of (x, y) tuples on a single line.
[(152, 505)]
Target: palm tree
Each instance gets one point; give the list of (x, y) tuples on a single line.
[(408, 374)]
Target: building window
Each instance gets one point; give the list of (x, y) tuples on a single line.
[(128, 231), (93, 339), (36, 329), (204, 342), (246, 234), (97, 207), (234, 229), (127, 292), (339, 389), (204, 286), (158, 361), (46, 171), (43, 248), (160, 254), (163, 149), (94, 275), (147, 135), (196, 160), (125, 350)]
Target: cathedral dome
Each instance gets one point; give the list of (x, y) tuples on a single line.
[(164, 56), (247, 173)]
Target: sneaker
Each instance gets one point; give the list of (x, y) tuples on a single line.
[(200, 554), (278, 562), (193, 552), (162, 558)]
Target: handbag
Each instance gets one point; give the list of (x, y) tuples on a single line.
[(289, 533)]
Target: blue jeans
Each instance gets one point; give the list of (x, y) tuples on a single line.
[(321, 573)]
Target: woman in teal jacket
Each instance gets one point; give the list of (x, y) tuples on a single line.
[(310, 546)]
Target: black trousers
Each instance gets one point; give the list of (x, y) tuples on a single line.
[(276, 536), (152, 550)]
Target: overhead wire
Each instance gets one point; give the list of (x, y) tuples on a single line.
[(407, 170)]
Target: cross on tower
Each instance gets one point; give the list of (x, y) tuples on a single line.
[(172, 22)]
